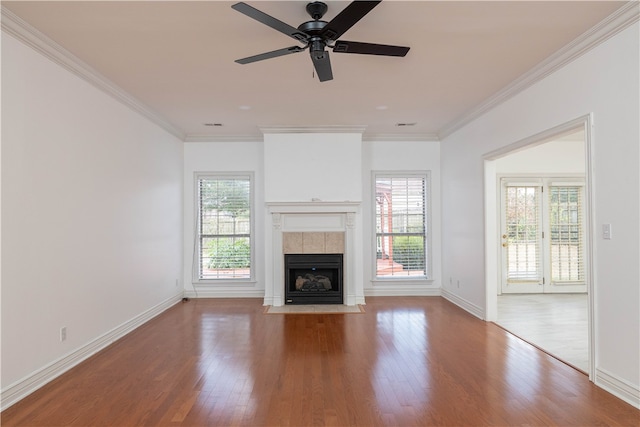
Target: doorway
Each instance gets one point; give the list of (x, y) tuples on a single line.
[(537, 240)]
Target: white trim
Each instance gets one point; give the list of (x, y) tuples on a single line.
[(22, 388), (197, 137), (395, 137), (556, 132), (392, 137), (30, 36), (412, 291), (463, 304), (313, 207), (590, 247), (225, 293), (607, 28), (313, 129), (620, 388)]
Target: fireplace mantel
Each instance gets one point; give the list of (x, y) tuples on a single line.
[(313, 216), (313, 207)]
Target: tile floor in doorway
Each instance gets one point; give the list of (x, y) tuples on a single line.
[(556, 323)]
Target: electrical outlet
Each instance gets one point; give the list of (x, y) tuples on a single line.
[(63, 333), (606, 231), (177, 283), (458, 283)]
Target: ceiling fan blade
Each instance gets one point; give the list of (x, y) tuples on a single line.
[(272, 54), (347, 18), (270, 21), (343, 46), (322, 64)]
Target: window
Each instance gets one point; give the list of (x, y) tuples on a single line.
[(401, 225), (224, 227), (565, 223), (523, 231)]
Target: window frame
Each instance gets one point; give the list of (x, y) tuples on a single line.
[(582, 270), (196, 279), (427, 278)]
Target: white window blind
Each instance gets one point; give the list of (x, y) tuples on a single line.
[(224, 227), (401, 234), (566, 233), (523, 233)]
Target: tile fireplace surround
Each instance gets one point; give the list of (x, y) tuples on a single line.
[(313, 227)]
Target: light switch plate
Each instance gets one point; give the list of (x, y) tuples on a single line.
[(606, 231)]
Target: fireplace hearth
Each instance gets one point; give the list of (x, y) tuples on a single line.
[(313, 278)]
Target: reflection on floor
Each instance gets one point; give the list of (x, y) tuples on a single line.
[(556, 323), (314, 309)]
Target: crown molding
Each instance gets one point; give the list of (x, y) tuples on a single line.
[(394, 137), (30, 36), (222, 138), (312, 129), (607, 28)]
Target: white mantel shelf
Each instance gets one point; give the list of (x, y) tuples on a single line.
[(313, 207)]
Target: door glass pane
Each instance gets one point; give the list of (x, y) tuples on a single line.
[(565, 222), (523, 234)]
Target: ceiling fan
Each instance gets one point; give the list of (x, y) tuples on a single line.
[(318, 35)]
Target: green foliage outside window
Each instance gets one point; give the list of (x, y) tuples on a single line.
[(228, 253), (409, 251)]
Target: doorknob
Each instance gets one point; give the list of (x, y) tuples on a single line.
[(504, 245), (504, 236)]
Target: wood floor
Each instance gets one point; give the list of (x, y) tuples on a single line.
[(557, 323), (406, 361)]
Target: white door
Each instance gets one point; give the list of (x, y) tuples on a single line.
[(542, 236)]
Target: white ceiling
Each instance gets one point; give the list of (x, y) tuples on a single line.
[(177, 58)]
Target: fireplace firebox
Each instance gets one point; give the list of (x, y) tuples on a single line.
[(313, 278)]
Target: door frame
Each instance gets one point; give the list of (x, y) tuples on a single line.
[(492, 221)]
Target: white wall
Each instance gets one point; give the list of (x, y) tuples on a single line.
[(554, 157), (91, 216), (223, 157), (267, 165), (603, 82), (300, 167), (398, 156)]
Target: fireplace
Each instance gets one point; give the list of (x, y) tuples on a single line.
[(296, 228), (313, 278)]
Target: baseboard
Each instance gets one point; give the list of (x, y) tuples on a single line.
[(215, 293), (19, 390), (463, 304), (620, 388), (397, 292)]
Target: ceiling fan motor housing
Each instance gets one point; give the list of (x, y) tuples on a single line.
[(316, 47), (312, 27)]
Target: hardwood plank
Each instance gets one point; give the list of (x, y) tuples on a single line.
[(406, 361)]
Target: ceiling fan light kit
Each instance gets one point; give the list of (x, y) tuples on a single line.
[(317, 35)]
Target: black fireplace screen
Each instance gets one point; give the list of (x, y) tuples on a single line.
[(313, 278)]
